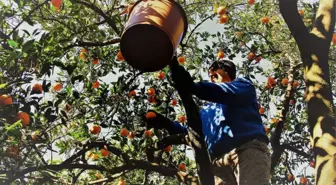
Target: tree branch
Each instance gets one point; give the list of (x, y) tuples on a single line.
[(295, 150), (289, 11), (29, 15), (276, 135), (92, 44), (93, 7)]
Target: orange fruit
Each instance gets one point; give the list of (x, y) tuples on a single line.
[(161, 75), (151, 99), (296, 83), (95, 84), (150, 115), (56, 3), (124, 132), (173, 102), (120, 56), (312, 164), (303, 180), (274, 120), (168, 148), (333, 40), (239, 34), (57, 87), (221, 10), (265, 20), (151, 91), (284, 81), (220, 54), (121, 182), (258, 59), (271, 82), (37, 88), (181, 59), (251, 2), (251, 56), (95, 61), (24, 117), (98, 176), (95, 129), (132, 93), (131, 135), (223, 19), (5, 100), (104, 152), (182, 119), (82, 56), (181, 167), (290, 178), (261, 110), (148, 133), (95, 157), (83, 50), (301, 12)]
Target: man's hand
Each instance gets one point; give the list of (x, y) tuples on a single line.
[(181, 78), (158, 122)]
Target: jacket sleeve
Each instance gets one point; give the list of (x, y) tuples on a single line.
[(177, 128), (231, 92)]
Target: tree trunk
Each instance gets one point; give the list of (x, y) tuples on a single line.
[(314, 48), (195, 134)]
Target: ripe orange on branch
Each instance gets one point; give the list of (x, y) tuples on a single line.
[(95, 129), (151, 91), (181, 167), (220, 54), (265, 20), (333, 40), (5, 100), (223, 19), (251, 56), (56, 3), (24, 117), (221, 10), (37, 88), (251, 2), (104, 152), (148, 133), (95, 84), (168, 148), (161, 75), (120, 56), (150, 115), (284, 81), (57, 87), (181, 59), (124, 132)]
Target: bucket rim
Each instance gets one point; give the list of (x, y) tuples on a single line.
[(184, 16)]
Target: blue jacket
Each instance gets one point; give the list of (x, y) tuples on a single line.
[(231, 119)]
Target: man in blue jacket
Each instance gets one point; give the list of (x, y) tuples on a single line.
[(231, 124)]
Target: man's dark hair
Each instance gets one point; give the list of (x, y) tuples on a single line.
[(228, 66)]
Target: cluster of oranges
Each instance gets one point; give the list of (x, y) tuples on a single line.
[(6, 100)]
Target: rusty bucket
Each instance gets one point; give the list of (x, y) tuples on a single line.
[(152, 34)]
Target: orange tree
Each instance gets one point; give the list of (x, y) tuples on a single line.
[(72, 110)]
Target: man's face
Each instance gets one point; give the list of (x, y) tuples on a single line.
[(218, 76)]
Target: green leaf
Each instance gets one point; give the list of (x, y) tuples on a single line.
[(3, 85), (27, 45), (12, 43)]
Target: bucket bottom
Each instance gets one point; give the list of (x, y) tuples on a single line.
[(146, 47)]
